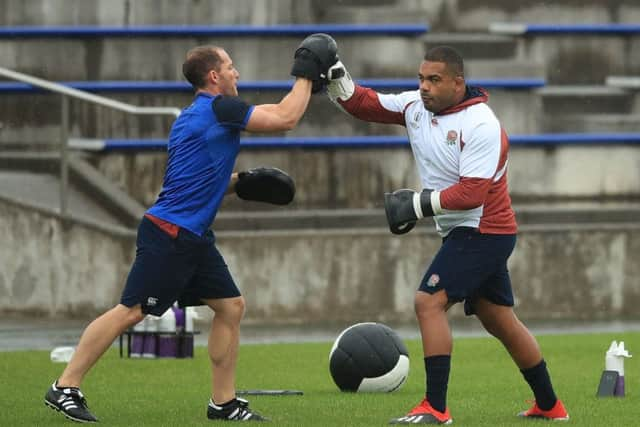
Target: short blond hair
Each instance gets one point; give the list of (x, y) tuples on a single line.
[(200, 60)]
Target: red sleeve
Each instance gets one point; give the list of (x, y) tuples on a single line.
[(365, 105), (467, 194)]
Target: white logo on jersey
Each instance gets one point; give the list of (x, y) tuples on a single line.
[(151, 301), (415, 123)]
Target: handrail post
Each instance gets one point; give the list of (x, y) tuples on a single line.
[(66, 93), (64, 156)]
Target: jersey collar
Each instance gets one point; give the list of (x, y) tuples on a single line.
[(473, 95), (205, 94)]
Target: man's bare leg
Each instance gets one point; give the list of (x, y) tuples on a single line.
[(96, 339), (431, 311), (501, 322), (224, 339)]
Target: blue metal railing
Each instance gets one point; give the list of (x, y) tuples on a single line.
[(384, 141), (124, 86), (89, 31)]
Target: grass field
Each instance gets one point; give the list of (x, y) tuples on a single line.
[(485, 389)]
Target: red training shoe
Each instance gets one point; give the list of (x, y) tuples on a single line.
[(424, 413), (557, 413)]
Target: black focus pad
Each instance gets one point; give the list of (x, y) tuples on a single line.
[(264, 184), (313, 58)]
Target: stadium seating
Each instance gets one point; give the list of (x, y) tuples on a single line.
[(575, 53), (125, 52), (507, 95), (526, 92), (573, 130)]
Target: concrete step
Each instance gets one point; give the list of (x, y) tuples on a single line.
[(378, 11), (472, 15), (461, 15), (527, 214), (595, 123), (474, 45), (476, 68), (356, 177), (35, 118), (576, 99), (155, 12), (580, 58), (121, 58), (34, 179)]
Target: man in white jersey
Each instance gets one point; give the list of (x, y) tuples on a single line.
[(461, 153)]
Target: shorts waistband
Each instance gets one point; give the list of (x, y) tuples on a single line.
[(169, 228)]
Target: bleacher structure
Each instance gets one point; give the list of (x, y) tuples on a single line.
[(566, 93)]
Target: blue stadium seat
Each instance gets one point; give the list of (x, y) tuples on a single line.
[(264, 85), (383, 141), (89, 31)]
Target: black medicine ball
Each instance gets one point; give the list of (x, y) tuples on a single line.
[(369, 357)]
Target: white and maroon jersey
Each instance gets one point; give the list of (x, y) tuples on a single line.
[(461, 152)]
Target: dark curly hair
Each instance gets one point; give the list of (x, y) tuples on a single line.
[(449, 56)]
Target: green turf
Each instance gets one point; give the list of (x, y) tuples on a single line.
[(485, 389)]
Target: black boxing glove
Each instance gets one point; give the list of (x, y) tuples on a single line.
[(405, 207)]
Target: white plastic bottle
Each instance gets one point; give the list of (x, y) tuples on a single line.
[(150, 337)]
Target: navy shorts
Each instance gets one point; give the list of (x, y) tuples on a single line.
[(472, 265), (186, 269)]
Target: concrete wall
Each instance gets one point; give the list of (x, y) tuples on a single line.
[(58, 270), (54, 268)]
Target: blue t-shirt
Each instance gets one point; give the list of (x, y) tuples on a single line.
[(203, 146)]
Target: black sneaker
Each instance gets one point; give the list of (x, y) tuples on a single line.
[(236, 410), (71, 402)]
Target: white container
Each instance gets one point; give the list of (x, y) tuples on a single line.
[(167, 322), (614, 358), (190, 316), (614, 361), (141, 325), (62, 354), (151, 323), (150, 346)]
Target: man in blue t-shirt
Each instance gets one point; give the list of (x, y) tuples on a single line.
[(176, 256)]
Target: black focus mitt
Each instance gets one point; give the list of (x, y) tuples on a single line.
[(269, 185), (313, 58)]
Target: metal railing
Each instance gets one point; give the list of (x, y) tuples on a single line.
[(66, 93)]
